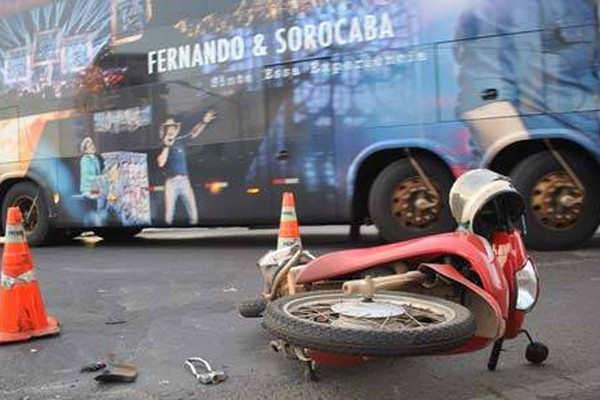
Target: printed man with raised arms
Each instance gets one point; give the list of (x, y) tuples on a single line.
[(172, 160)]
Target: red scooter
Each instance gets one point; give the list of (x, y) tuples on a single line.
[(444, 294)]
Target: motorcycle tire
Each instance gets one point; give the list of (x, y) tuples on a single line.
[(252, 308), (457, 328)]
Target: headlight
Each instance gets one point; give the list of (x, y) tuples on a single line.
[(527, 283)]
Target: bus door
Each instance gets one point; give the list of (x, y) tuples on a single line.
[(300, 127)]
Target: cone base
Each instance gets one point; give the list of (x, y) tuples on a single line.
[(288, 242), (51, 329)]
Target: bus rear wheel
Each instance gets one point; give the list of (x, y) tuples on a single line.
[(30, 199), (402, 205), (560, 215)]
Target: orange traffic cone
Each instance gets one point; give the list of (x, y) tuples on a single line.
[(289, 233), (22, 314)]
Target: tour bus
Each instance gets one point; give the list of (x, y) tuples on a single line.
[(116, 115)]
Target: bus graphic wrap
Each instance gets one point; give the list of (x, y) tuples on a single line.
[(157, 113)]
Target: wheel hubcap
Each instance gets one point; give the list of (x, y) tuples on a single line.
[(557, 202), (415, 205), (357, 314), (368, 309)]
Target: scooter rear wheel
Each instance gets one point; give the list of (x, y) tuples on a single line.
[(393, 324)]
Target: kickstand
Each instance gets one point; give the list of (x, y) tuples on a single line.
[(310, 371), (495, 355)]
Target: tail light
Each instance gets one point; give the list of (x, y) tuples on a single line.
[(527, 282)]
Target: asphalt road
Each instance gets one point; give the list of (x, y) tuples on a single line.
[(173, 294)]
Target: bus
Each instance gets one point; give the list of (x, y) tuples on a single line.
[(117, 115)]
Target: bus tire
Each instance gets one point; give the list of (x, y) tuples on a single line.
[(25, 195), (552, 225), (396, 197)]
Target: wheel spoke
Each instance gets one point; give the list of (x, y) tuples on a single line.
[(411, 316), (29, 210), (314, 312), (413, 319), (385, 321), (429, 315), (33, 206)]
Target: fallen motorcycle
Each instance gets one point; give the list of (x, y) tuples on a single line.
[(450, 293)]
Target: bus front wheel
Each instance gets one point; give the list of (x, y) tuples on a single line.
[(403, 205), (30, 199), (560, 214)]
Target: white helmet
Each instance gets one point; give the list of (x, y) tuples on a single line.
[(481, 200)]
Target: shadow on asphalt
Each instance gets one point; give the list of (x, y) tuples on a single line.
[(594, 243)]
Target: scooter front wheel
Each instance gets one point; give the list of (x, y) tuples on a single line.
[(392, 324)]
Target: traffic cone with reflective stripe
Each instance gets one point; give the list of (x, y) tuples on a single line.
[(289, 232), (22, 314)]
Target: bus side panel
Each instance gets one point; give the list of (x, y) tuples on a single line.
[(9, 143), (299, 152)]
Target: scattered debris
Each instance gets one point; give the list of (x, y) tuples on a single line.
[(230, 290), (112, 371), (117, 317), (209, 377), (90, 241), (163, 383), (93, 367), (33, 351), (122, 373), (115, 322)]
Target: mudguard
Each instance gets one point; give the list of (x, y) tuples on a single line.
[(470, 247), (490, 323)]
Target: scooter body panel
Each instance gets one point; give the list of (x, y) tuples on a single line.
[(470, 247), (488, 314)]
